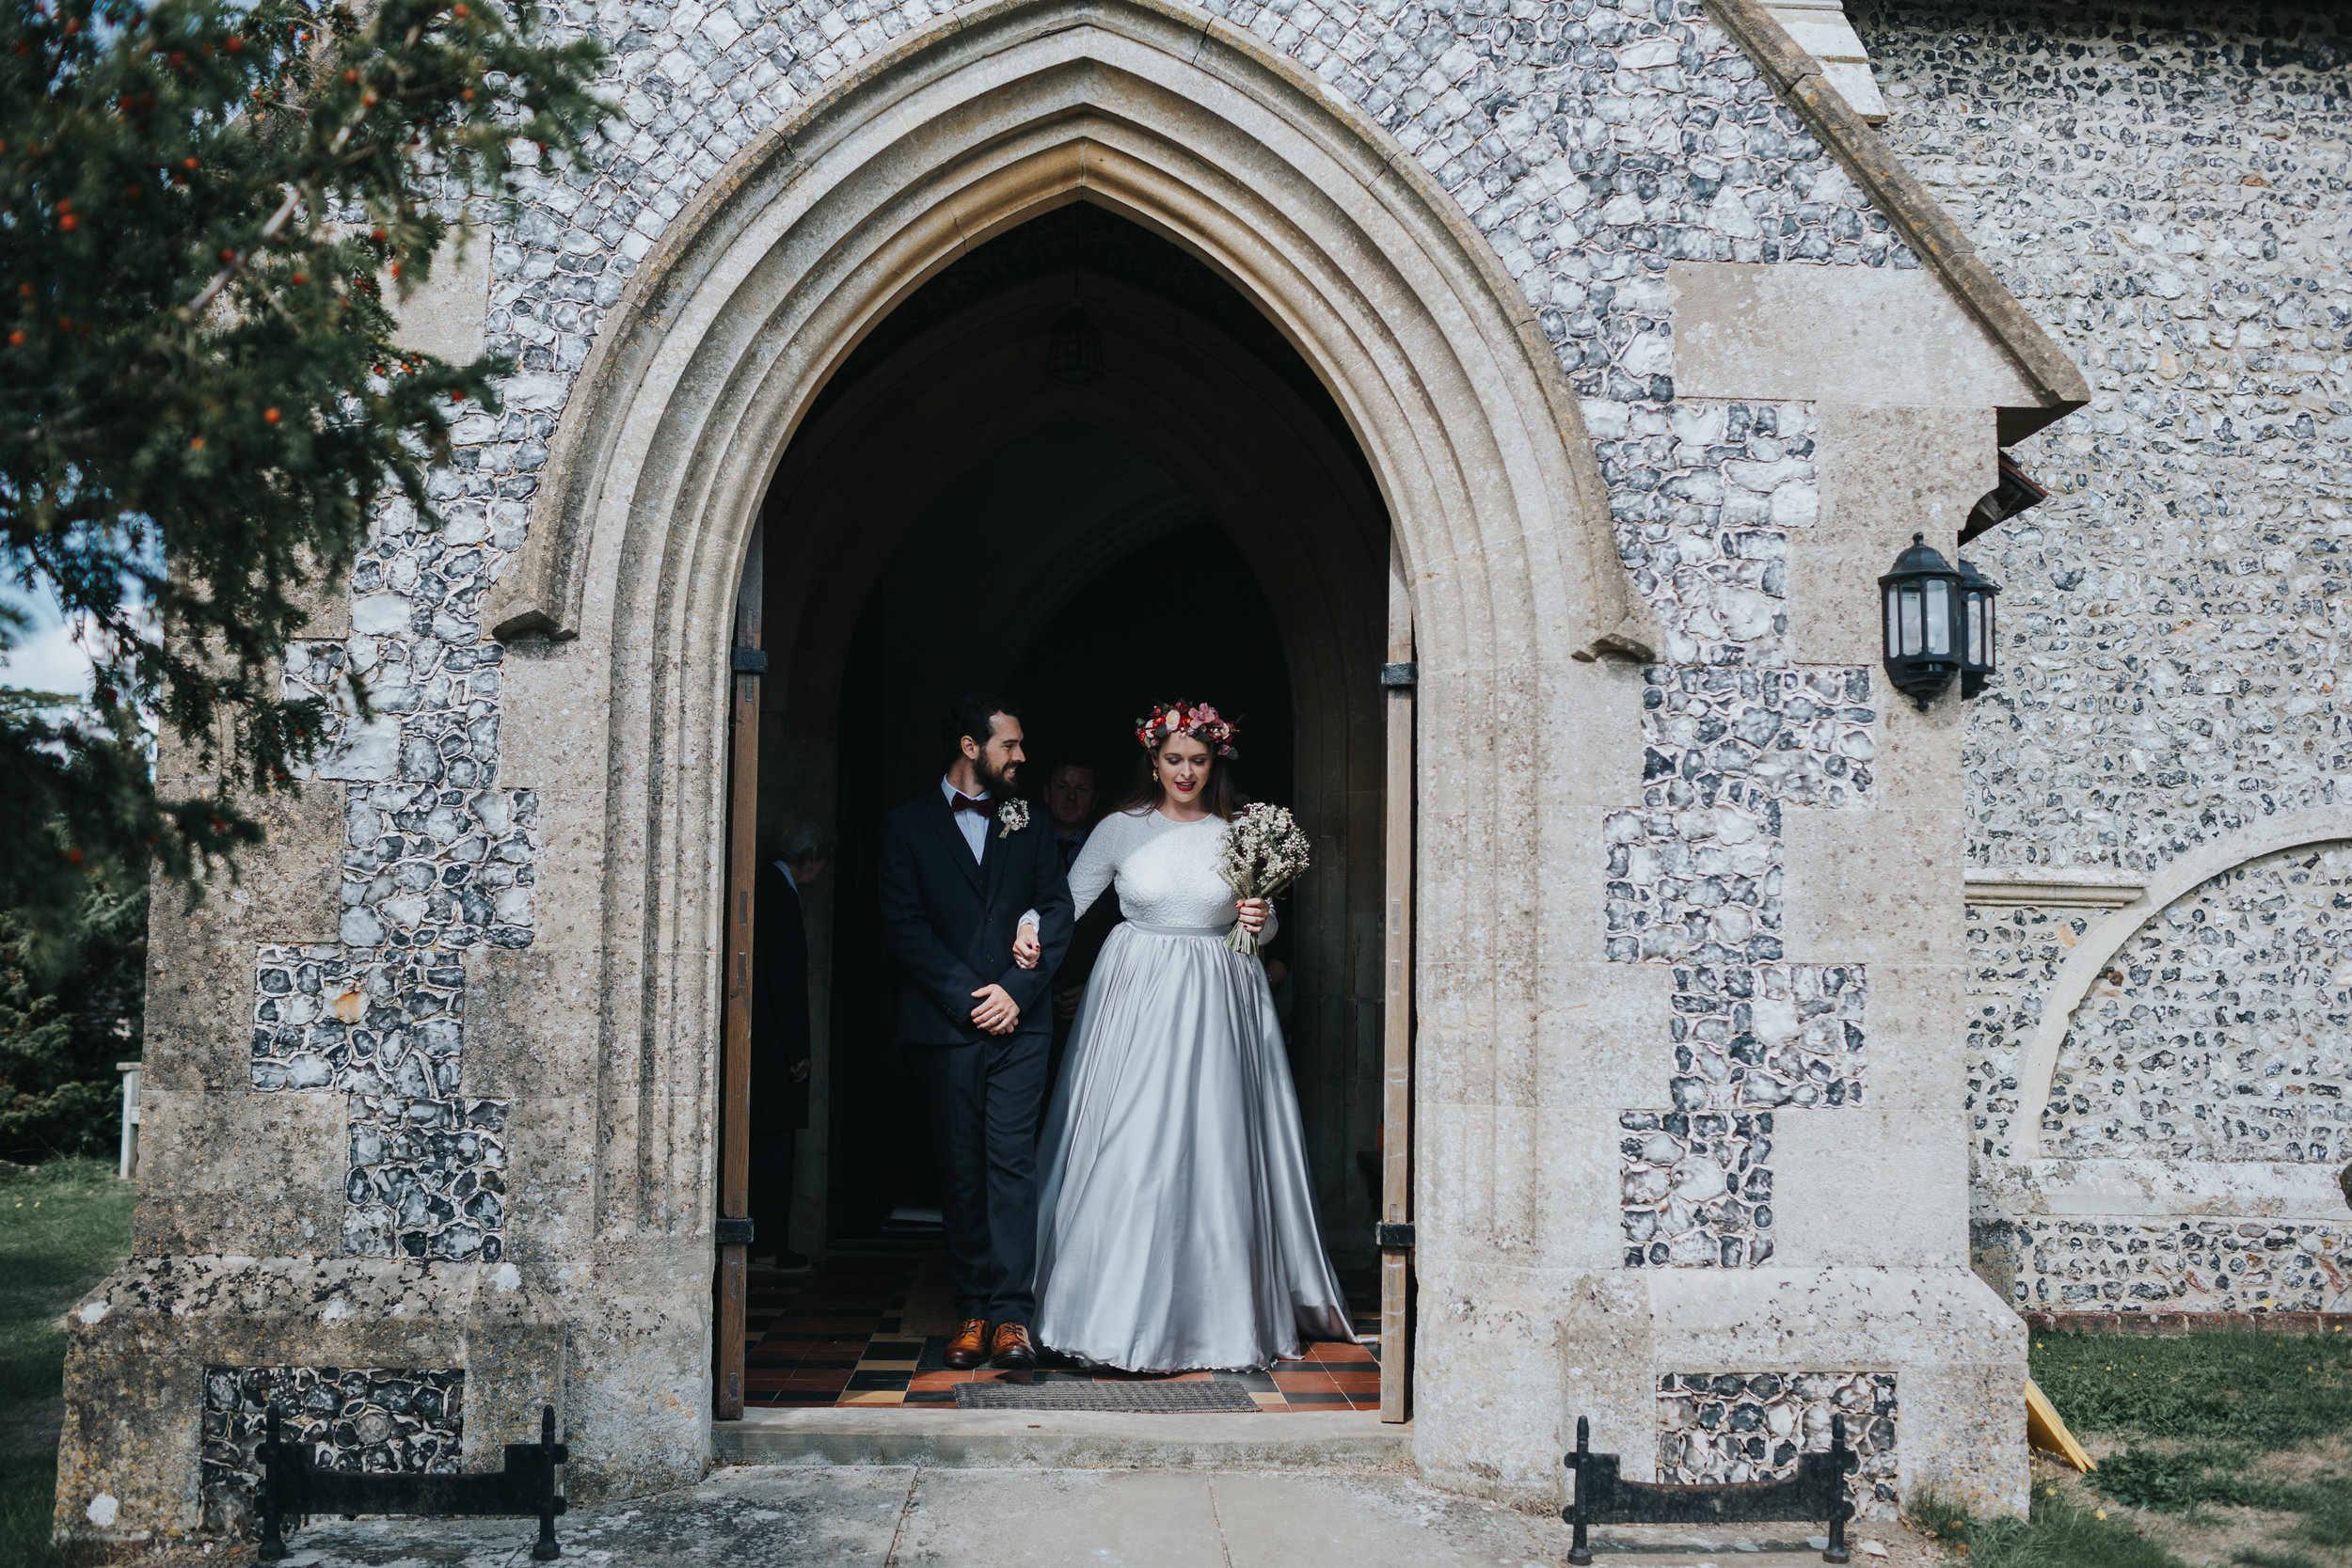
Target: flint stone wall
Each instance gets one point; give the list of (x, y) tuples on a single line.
[(370, 1420), (1721, 1428), (2165, 190)]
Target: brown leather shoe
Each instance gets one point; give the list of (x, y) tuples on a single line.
[(969, 1348), (1013, 1352)]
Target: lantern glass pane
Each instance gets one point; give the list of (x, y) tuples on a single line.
[(1991, 629), (1938, 617), (1907, 619), (1972, 606), (1894, 626)]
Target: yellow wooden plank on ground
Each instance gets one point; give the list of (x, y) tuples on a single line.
[(2044, 1431)]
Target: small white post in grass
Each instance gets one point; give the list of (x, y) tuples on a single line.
[(130, 1071)]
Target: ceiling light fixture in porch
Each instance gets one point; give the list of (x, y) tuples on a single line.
[(1074, 353)]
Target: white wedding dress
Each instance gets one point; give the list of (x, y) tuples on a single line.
[(1176, 1224)]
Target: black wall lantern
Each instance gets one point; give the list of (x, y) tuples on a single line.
[(1977, 629), (1920, 602)]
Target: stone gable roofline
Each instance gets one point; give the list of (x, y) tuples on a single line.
[(1917, 216)]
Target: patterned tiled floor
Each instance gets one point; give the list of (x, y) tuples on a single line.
[(832, 1337)]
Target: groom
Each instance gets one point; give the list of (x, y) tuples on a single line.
[(963, 869)]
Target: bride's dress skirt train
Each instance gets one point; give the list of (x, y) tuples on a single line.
[(1176, 1231)]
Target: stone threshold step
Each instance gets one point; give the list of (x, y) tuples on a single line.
[(1088, 1440)]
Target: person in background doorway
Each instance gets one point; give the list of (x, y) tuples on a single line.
[(1070, 800), (796, 857), (1071, 804)]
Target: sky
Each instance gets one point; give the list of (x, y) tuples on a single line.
[(46, 658)]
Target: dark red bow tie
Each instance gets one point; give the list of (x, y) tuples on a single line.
[(965, 802)]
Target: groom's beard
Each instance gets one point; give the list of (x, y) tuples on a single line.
[(993, 783)]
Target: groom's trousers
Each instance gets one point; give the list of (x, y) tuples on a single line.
[(984, 1102)]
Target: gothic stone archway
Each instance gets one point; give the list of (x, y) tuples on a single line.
[(681, 416)]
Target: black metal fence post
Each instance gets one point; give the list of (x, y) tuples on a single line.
[(1843, 1461), (272, 1489), (1579, 1553), (545, 1549)]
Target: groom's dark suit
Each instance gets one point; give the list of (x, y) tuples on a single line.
[(952, 921)]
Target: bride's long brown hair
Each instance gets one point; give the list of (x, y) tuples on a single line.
[(1148, 794)]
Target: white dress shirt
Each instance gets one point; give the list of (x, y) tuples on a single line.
[(974, 826)]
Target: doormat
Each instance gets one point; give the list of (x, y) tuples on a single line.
[(1154, 1398)]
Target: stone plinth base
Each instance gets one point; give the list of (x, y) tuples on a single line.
[(171, 1364), (1710, 1376), (1928, 1365)]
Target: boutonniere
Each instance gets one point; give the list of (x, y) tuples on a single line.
[(1014, 815)]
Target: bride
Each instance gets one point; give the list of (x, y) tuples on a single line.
[(1176, 1229)]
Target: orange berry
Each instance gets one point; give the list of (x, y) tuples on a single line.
[(270, 415), (197, 445), (65, 224)]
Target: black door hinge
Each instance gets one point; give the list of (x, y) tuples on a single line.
[(750, 661), (1398, 675), (729, 1232), (1392, 1238)]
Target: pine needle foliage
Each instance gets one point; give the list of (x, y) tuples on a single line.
[(202, 205), (69, 1009)]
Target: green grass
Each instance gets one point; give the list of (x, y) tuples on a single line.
[(2173, 1482), (61, 1229), (2277, 1560), (2258, 1392), (2327, 1517), (2060, 1533), (2197, 1415)]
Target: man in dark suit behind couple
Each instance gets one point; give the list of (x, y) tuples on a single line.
[(963, 869)]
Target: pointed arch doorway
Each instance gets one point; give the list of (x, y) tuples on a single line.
[(1194, 520), (736, 320)]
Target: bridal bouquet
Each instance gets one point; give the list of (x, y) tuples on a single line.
[(1263, 853)]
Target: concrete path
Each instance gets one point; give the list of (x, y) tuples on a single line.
[(904, 1516)]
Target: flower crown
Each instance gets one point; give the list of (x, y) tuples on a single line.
[(1196, 719)]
